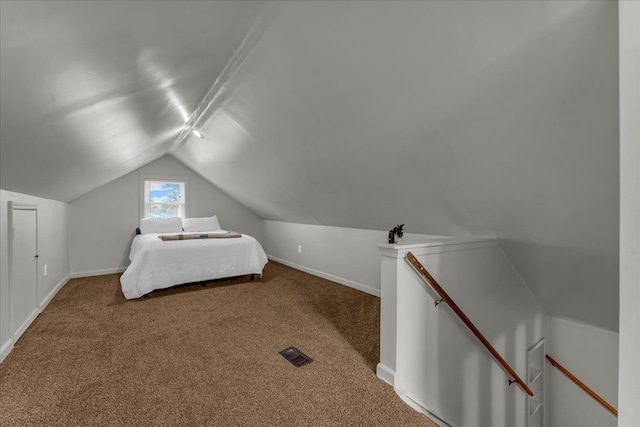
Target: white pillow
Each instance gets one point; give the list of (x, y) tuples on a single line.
[(161, 225), (201, 224)]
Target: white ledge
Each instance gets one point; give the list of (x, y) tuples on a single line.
[(434, 245)]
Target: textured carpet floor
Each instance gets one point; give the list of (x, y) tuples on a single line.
[(202, 356)]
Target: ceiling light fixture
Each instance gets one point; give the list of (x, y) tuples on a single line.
[(196, 133)]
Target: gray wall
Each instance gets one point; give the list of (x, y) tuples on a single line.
[(103, 222), (629, 387), (591, 354), (345, 255), (53, 250)]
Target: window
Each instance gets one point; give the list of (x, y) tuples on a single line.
[(164, 199)]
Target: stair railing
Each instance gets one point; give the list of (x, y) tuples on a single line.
[(582, 385), (444, 297)]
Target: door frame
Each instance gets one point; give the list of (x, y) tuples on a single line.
[(21, 206)]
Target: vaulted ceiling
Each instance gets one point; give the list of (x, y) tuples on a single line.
[(456, 118), (93, 90)]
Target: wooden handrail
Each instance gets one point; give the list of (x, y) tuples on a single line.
[(446, 298), (582, 385)]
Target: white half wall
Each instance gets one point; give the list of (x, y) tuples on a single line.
[(103, 222), (591, 354), (345, 255), (440, 366), (53, 250)]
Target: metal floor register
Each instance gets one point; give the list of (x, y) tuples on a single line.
[(295, 356)]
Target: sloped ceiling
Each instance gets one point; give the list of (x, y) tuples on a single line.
[(456, 118), (93, 90)]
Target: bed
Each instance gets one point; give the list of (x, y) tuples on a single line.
[(186, 258)]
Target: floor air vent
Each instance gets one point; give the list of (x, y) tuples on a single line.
[(295, 356)]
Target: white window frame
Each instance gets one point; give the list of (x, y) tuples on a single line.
[(144, 192)]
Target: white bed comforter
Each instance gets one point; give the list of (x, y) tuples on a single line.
[(157, 264)]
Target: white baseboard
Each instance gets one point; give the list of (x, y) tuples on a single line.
[(18, 333), (46, 300), (97, 272), (8, 346), (6, 349), (386, 374), (328, 276), (418, 406)]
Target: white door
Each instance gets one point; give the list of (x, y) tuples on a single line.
[(24, 268)]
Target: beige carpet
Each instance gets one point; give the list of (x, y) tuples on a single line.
[(203, 356)]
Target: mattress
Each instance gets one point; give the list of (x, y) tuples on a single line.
[(158, 264)]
